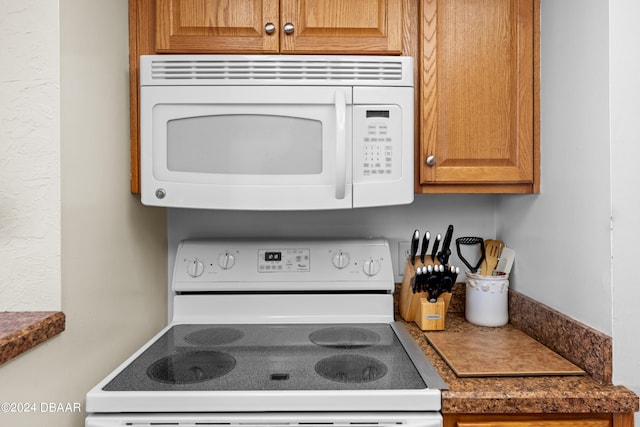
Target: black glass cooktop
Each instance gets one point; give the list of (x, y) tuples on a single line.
[(272, 357)]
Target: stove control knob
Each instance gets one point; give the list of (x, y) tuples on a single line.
[(341, 260), (226, 260), (371, 267), (195, 267)]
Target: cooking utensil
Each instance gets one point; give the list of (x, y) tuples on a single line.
[(434, 251), (428, 272), (415, 240), (416, 281), (449, 278), (424, 278), (433, 285), (493, 248), (425, 245), (443, 256), (471, 241), (446, 284), (507, 257)]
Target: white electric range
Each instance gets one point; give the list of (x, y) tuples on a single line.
[(275, 333)]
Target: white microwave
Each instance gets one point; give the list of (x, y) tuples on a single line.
[(276, 132)]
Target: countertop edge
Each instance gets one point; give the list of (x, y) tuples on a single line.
[(615, 401), (23, 330)]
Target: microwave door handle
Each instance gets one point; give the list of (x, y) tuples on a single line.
[(341, 144)]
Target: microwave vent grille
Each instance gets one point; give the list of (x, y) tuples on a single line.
[(273, 70)]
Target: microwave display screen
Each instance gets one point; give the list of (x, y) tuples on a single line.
[(377, 113), (245, 144)]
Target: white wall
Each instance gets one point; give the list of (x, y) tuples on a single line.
[(29, 156), (577, 240), (113, 249), (625, 151), (562, 236)]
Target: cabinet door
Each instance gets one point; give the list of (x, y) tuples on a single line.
[(216, 26), (341, 26), (478, 96), (528, 420), (534, 423)]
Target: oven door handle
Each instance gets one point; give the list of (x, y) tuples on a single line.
[(341, 144)]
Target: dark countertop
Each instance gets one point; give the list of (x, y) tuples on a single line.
[(23, 330), (587, 348), (511, 395)]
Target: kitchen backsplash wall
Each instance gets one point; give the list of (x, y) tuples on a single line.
[(470, 215)]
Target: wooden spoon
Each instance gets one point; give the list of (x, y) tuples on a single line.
[(493, 248)]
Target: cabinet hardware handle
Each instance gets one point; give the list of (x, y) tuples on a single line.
[(269, 27), (288, 28), (431, 161)]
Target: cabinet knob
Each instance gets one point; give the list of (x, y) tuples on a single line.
[(269, 27), (431, 161), (288, 28)]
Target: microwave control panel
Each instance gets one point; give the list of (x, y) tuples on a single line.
[(377, 142)]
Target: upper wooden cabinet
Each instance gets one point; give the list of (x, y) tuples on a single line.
[(286, 26), (479, 120), (204, 26)]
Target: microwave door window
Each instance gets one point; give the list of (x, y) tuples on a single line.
[(245, 144)]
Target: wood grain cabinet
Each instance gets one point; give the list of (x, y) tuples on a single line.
[(479, 102), (538, 420), (285, 26)]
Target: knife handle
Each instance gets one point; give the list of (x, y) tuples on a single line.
[(443, 256), (415, 240), (425, 246), (434, 251)]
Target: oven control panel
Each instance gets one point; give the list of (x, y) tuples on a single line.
[(243, 266)]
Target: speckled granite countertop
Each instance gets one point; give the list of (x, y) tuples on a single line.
[(23, 330), (545, 394), (535, 394)]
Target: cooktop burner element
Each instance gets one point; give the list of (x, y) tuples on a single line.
[(214, 336), (345, 337), (191, 367), (351, 368)]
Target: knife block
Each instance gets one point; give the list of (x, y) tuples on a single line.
[(416, 307), (432, 314)]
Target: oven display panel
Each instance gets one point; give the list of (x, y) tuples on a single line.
[(284, 260)]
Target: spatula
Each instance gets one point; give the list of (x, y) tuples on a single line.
[(506, 261)]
